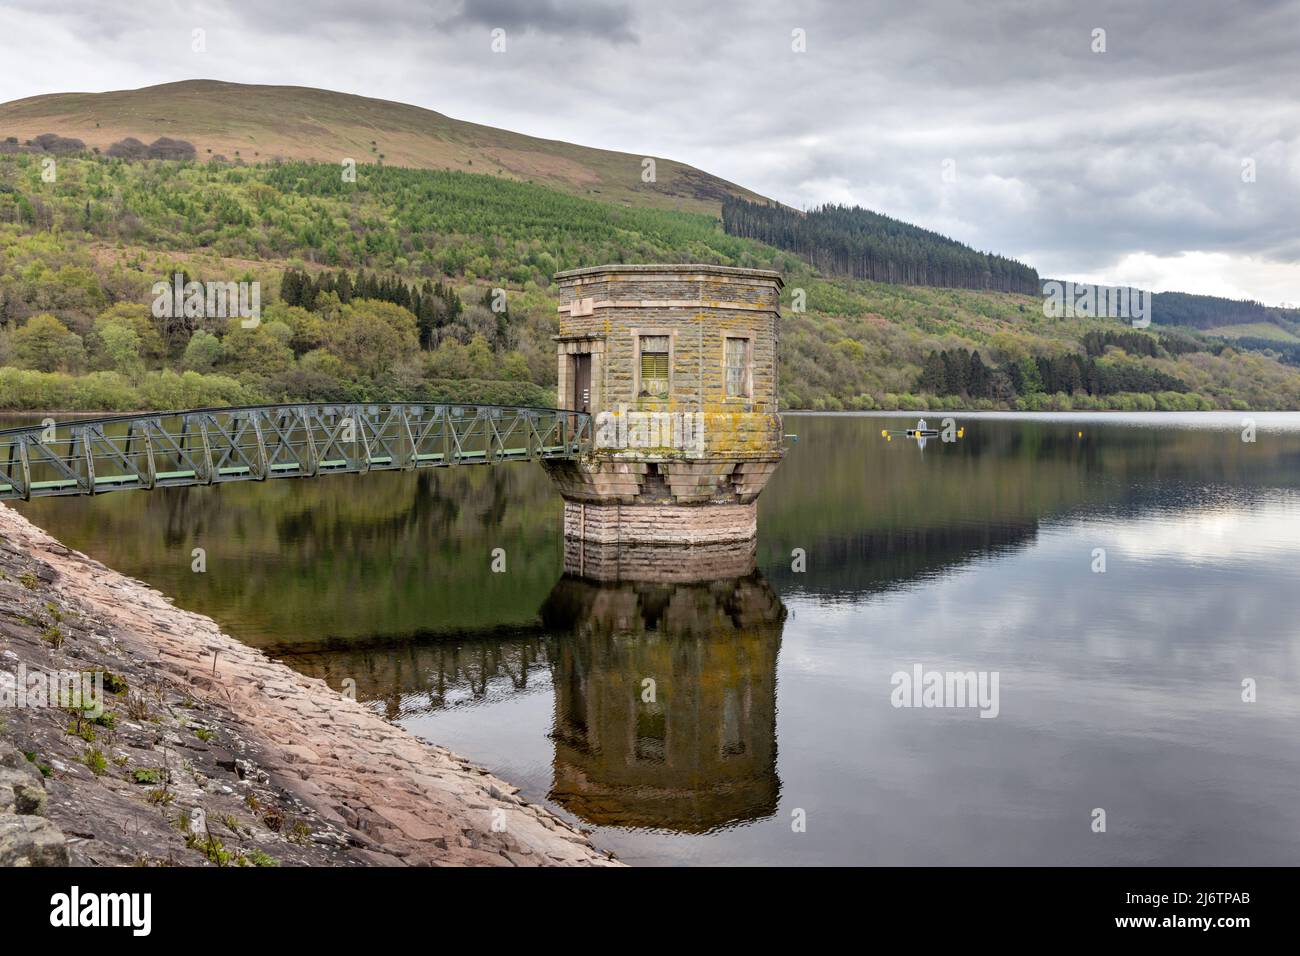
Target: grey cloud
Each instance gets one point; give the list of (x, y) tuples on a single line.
[(587, 18)]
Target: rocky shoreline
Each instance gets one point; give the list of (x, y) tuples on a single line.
[(209, 753)]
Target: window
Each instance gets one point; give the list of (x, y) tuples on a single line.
[(739, 381), (651, 743), (654, 367), (734, 720)]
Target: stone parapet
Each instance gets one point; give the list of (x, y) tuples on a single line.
[(601, 480)]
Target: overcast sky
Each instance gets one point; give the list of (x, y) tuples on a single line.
[(1123, 166)]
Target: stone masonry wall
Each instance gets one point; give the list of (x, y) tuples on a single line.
[(599, 561), (735, 444), (698, 312), (660, 524)]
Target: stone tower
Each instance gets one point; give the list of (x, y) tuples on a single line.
[(678, 366)]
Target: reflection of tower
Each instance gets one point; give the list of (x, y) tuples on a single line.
[(696, 749)]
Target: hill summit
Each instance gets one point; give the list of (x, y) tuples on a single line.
[(260, 123)]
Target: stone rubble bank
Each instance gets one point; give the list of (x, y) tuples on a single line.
[(211, 753)]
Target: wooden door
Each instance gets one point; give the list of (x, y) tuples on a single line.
[(581, 397)]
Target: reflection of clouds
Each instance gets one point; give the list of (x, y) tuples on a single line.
[(1119, 690), (1226, 536), (1165, 579)]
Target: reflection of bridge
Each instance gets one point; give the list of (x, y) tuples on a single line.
[(698, 755), (212, 445), (428, 672)]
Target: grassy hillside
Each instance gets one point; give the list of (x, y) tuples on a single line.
[(1256, 330), (79, 255), (262, 123)]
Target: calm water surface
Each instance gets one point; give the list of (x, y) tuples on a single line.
[(1120, 690)]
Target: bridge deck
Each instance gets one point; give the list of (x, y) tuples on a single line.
[(214, 445)]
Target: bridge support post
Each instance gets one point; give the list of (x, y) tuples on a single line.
[(26, 464), (88, 454), (209, 469), (151, 465), (309, 440), (262, 464)]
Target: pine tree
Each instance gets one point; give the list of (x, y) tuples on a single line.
[(291, 288), (955, 368), (979, 378), (933, 378), (427, 320)]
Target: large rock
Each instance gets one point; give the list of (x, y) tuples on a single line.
[(31, 841), (22, 788), (20, 793), (13, 759)]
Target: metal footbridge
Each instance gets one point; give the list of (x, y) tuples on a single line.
[(210, 446)]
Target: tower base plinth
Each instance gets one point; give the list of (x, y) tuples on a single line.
[(661, 563), (672, 524)]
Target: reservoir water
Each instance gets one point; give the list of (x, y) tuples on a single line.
[(1132, 580)]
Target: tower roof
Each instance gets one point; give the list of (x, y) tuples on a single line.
[(676, 268)]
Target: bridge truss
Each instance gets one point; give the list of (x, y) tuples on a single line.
[(214, 445)]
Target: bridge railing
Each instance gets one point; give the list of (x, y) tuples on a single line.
[(214, 445)]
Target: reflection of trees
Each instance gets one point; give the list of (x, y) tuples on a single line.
[(342, 556), (841, 479), (493, 515), (178, 517), (863, 563), (433, 510), (871, 516)]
